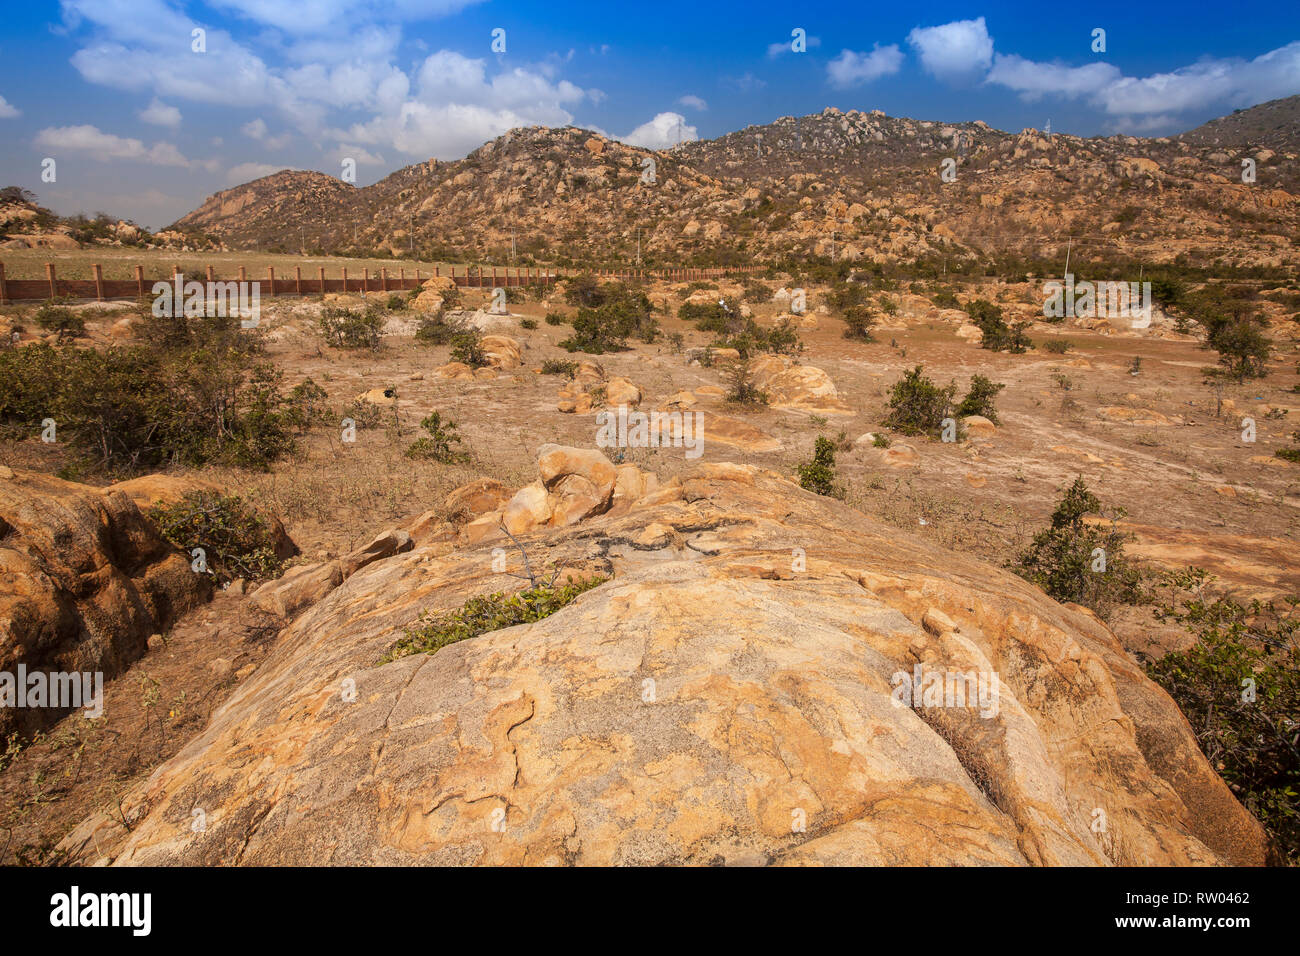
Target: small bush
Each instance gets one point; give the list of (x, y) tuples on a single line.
[(818, 475), (858, 321), (1249, 738), (59, 318), (528, 324), (563, 367), (554, 318), (397, 302), (438, 329), (1061, 559), (741, 387), (1057, 346), (352, 329), (979, 400), (236, 540), (918, 406), (487, 613), (997, 335), (437, 445), (364, 414), (467, 347)]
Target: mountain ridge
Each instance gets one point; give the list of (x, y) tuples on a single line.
[(849, 184)]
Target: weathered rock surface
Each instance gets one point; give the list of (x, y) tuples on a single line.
[(85, 578), (724, 698)]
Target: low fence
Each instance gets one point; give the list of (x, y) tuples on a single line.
[(101, 289)]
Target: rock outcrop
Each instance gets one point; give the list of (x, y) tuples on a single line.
[(730, 695), (85, 578)]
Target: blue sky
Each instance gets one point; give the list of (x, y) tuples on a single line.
[(143, 126)]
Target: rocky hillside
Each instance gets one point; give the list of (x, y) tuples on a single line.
[(857, 186), (729, 695), (25, 224), (1273, 125)]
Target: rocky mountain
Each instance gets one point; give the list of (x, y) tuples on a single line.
[(730, 695), (844, 185)]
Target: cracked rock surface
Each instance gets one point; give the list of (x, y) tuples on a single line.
[(728, 697)]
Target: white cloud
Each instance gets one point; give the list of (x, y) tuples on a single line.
[(160, 114), (852, 69), (256, 129), (953, 51), (456, 107), (693, 102), (1233, 82), (665, 130), (8, 111), (246, 172), (747, 83), (362, 156), (787, 46), (90, 139)]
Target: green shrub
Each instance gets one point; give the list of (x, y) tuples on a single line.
[(945, 299), (880, 441), (1242, 346), (131, 408), (1062, 558), (722, 317), (350, 328), (363, 414), (467, 347), (59, 318), (307, 406), (438, 329), (437, 445), (998, 336), (528, 324), (918, 406), (818, 475), (554, 318), (858, 321), (741, 387), (1057, 346), (563, 367), (236, 540), (979, 400), (487, 613), (397, 302), (1250, 738)]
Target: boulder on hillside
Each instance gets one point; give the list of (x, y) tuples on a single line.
[(883, 702)]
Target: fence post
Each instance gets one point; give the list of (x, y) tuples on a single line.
[(270, 278), (383, 279), (212, 275), (297, 279), (99, 282), (49, 272), (345, 279), (243, 274), (322, 280), (139, 282), (365, 279), (4, 298)]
